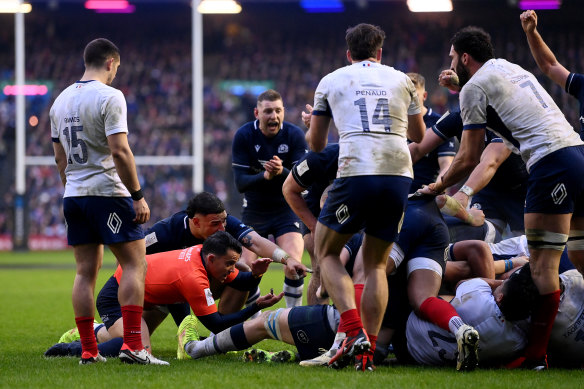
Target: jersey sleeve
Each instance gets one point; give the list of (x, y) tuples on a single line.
[(472, 286), (575, 85), (321, 106), (115, 114), (196, 290), (446, 149), (54, 127), (307, 170), (237, 228), (473, 107), (298, 145), (240, 154), (449, 125)]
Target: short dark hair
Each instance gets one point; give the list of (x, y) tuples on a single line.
[(519, 295), (269, 95), (98, 51), (417, 79), (474, 41), (219, 243), (204, 203), (363, 41)]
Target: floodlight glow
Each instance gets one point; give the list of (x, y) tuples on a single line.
[(314, 6), (106, 4), (27, 90), (430, 5), (219, 7), (540, 4), (14, 6)]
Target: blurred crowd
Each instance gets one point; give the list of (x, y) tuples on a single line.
[(292, 51)]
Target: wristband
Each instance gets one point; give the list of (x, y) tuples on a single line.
[(508, 265), (137, 195), (467, 190), (280, 256)]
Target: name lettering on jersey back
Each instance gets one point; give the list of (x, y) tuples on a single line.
[(73, 119), (186, 254), (370, 92)]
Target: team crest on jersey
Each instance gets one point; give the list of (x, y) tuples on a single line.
[(342, 214), (559, 193), (283, 148), (257, 148), (114, 222)]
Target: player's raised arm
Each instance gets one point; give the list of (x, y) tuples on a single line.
[(544, 57)]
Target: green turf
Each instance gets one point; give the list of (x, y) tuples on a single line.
[(35, 309)]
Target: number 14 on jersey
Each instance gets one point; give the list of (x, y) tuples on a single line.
[(380, 114)]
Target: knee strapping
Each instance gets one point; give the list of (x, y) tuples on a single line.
[(271, 324), (576, 240), (542, 239)]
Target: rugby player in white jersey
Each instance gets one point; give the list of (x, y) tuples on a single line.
[(103, 202), (497, 309), (375, 109), (553, 154)]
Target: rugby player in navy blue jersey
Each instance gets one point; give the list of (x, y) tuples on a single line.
[(573, 83), (497, 185), (313, 173), (263, 153), (438, 160)]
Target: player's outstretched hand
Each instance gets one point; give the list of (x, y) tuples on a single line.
[(449, 79), (295, 269), (306, 116), (269, 299), (528, 21), (142, 211), (429, 190), (260, 266)]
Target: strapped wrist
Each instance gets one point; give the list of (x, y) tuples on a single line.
[(137, 195)]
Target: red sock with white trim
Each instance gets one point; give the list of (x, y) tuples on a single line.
[(439, 312), (132, 317)]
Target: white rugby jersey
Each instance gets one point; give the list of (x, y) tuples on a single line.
[(567, 338), (370, 104), (511, 247), (504, 91), (82, 117), (499, 339)]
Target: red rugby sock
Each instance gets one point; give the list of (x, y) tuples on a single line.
[(132, 317), (350, 322), (88, 342)]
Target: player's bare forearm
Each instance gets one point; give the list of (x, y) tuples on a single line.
[(292, 193), (61, 161)]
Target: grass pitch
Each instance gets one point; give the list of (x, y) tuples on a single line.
[(35, 309)]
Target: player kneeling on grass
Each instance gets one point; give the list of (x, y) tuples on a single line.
[(179, 276)]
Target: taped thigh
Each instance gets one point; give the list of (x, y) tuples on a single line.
[(576, 240), (542, 239), (424, 263)]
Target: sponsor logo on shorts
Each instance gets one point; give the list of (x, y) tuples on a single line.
[(114, 222), (559, 193), (342, 214), (283, 148), (302, 337)]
